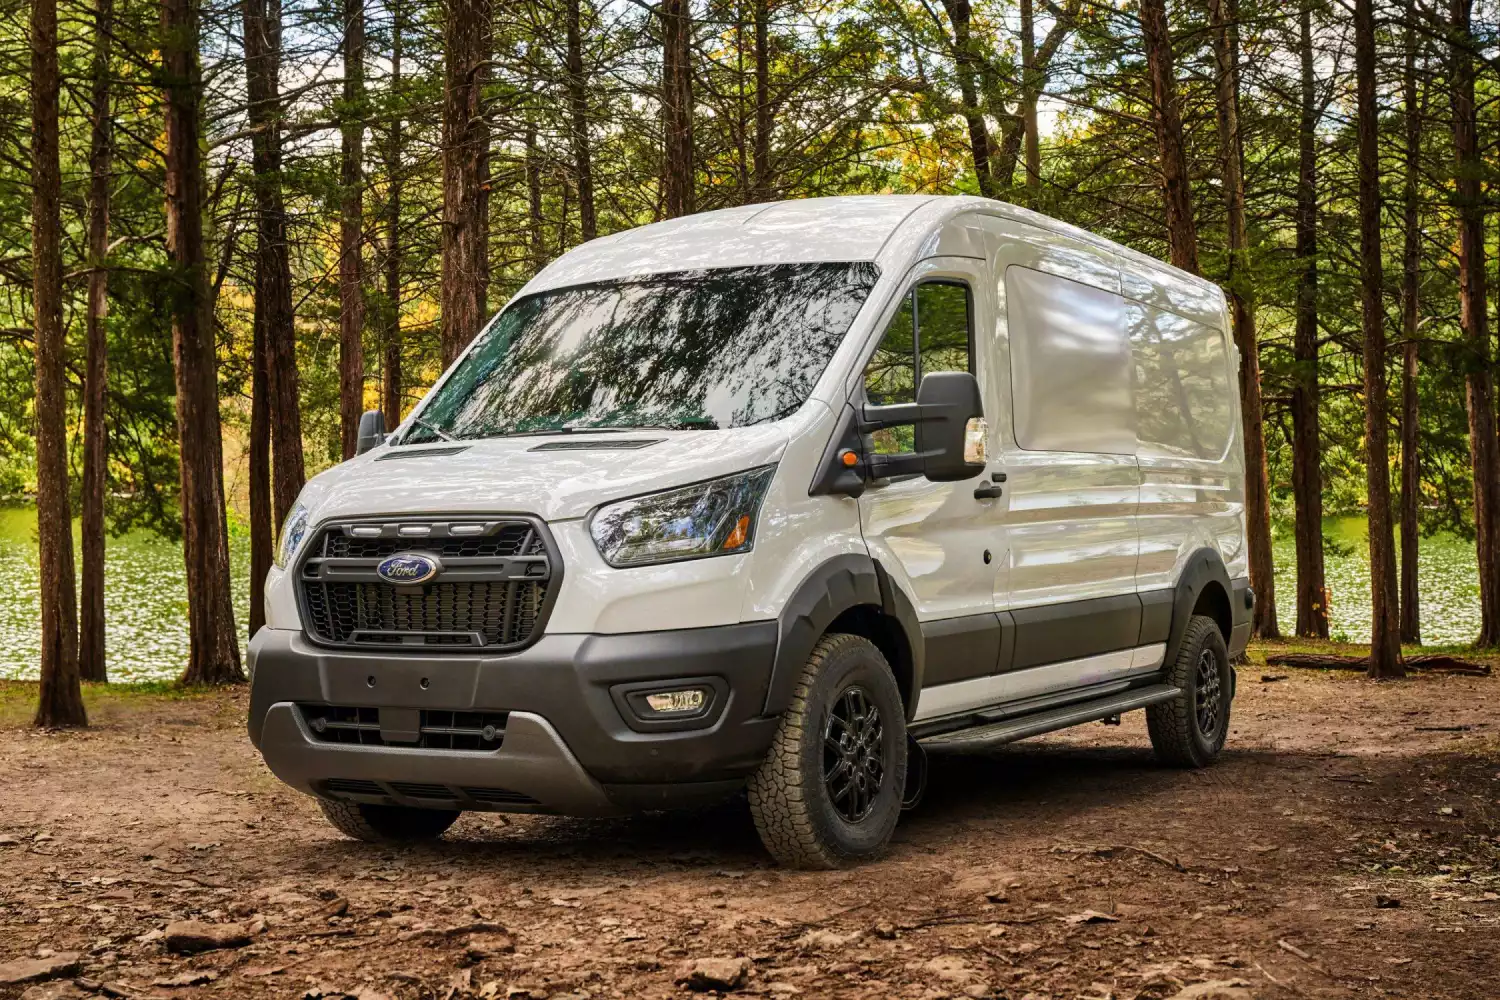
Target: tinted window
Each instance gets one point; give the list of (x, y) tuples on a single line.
[(725, 347), (929, 333)]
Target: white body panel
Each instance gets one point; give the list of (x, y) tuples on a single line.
[(1090, 508)]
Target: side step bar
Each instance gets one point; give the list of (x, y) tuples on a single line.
[(996, 733)]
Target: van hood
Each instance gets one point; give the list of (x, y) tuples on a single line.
[(556, 477)]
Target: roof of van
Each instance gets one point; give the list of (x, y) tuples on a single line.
[(845, 228)]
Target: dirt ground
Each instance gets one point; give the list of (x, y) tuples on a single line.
[(1347, 844)]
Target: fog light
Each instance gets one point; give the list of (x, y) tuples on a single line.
[(677, 702)]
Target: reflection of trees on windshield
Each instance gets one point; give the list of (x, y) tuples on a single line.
[(724, 347)]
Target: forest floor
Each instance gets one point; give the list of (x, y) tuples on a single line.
[(1347, 844)]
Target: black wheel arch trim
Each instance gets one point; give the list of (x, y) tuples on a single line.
[(834, 587), (1203, 567)]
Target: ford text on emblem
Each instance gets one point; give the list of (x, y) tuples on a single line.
[(408, 567)]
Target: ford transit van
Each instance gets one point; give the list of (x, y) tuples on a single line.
[(773, 499)]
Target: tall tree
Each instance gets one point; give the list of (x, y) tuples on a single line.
[(91, 666), (1030, 88), (765, 122), (60, 700), (1182, 231), (578, 124), (213, 655), (1307, 449), (351, 223), (1224, 20), (466, 141), (1484, 453), (1385, 637), (390, 367), (1411, 273), (966, 63), (678, 186)]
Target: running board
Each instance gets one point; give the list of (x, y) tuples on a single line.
[(997, 733)]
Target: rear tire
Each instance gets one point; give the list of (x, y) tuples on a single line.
[(1189, 730), (829, 793), (376, 824)]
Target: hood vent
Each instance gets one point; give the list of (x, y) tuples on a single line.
[(396, 456), (609, 444)]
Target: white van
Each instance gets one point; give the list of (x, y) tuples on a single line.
[(771, 498)]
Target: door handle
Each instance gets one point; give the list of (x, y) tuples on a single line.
[(988, 492)]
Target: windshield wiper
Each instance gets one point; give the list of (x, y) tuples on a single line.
[(442, 434)]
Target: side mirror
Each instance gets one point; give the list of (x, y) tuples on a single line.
[(372, 431), (947, 403)]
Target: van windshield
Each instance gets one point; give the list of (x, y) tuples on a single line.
[(703, 349)]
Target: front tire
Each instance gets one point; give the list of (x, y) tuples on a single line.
[(375, 824), (1189, 730), (829, 793)]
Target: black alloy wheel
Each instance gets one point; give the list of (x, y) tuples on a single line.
[(853, 753)]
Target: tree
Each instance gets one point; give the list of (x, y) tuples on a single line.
[(765, 122), (213, 656), (1031, 86), (1411, 273), (966, 59), (91, 666), (390, 366), (60, 700), (578, 125), (1182, 232), (1484, 452), (466, 138), (677, 108), (351, 221), (1242, 309), (1307, 453), (1385, 641)]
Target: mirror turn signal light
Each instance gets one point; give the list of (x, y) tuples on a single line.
[(849, 458)]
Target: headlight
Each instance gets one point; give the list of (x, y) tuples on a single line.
[(715, 518), (292, 533)]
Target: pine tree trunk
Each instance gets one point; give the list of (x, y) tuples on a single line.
[(213, 656), (258, 450), (60, 700), (678, 171), (1468, 196), (390, 366), (1242, 309), (273, 269), (1182, 233), (760, 149), (1030, 87), (578, 132), (1385, 638), (466, 140), (351, 221), (960, 14), (91, 664), (1307, 448), (1411, 619), (536, 247)]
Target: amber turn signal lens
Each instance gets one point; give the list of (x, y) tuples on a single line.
[(849, 459), (739, 534)]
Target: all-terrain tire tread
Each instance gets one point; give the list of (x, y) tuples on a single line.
[(1171, 723), (357, 821)]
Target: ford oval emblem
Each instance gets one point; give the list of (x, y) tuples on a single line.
[(408, 567)]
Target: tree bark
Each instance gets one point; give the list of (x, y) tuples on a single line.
[(1242, 308), (536, 246), (1030, 88), (1411, 618), (1182, 233), (965, 59), (760, 150), (273, 268), (213, 656), (466, 141), (390, 367), (1468, 198), (259, 452), (678, 171), (1307, 448), (1385, 639), (60, 700), (578, 132), (91, 664), (351, 221)]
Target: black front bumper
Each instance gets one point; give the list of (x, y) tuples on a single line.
[(568, 747)]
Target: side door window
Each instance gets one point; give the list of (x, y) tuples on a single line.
[(932, 331)]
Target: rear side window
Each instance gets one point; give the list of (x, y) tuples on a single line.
[(1070, 365), (1183, 392), (932, 331)]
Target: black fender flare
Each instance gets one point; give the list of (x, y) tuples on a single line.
[(1203, 567), (843, 582)]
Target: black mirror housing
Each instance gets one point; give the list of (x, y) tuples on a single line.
[(371, 431), (948, 401)]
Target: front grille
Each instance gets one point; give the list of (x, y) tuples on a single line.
[(491, 591), (438, 730)]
